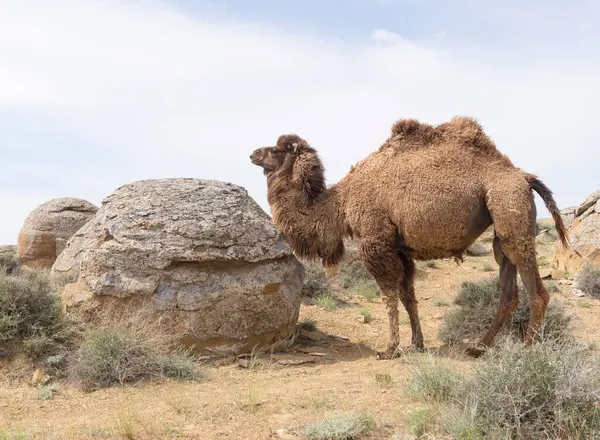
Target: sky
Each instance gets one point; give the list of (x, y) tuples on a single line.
[(97, 94)]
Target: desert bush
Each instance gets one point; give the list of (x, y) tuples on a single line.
[(478, 302), (315, 280), (9, 263), (30, 313), (589, 281), (548, 390), (120, 355), (348, 426)]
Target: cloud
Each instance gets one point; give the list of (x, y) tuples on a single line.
[(97, 94)]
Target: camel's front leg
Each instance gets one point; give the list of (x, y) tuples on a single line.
[(382, 260)]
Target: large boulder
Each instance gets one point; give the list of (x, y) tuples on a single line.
[(48, 227), (585, 238), (204, 256)]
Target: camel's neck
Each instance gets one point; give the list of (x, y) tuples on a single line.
[(314, 227)]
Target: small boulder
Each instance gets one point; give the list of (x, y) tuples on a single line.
[(584, 233), (477, 250), (202, 254), (47, 229)]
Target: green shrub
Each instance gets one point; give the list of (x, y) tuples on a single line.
[(589, 281), (347, 426), (120, 355), (30, 313), (478, 302)]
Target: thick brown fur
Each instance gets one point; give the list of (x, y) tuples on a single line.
[(427, 193)]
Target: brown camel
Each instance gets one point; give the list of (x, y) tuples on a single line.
[(427, 193)]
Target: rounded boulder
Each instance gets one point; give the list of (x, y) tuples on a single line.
[(48, 227), (201, 253)]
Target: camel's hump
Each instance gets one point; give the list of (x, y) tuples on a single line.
[(462, 128)]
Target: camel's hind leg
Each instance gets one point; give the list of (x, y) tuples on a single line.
[(407, 296), (509, 298), (514, 213)]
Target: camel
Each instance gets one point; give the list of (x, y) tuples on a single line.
[(427, 193)]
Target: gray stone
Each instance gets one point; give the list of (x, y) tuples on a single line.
[(590, 201), (206, 255)]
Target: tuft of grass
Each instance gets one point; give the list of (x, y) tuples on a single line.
[(13, 434), (487, 267), (112, 355), (420, 421), (478, 302), (366, 313), (47, 392), (316, 282), (327, 302), (584, 304), (589, 281), (441, 302), (384, 380), (348, 426), (310, 325), (366, 290), (30, 313), (432, 264), (434, 380)]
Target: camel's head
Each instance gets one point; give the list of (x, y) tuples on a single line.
[(285, 152), (293, 154)]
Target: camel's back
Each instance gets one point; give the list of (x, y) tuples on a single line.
[(430, 181)]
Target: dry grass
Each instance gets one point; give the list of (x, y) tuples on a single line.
[(348, 426), (111, 355)]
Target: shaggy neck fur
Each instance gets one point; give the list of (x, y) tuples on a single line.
[(310, 216)]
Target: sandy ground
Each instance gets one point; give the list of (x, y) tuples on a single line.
[(240, 403)]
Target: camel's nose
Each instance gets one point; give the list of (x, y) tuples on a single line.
[(256, 155)]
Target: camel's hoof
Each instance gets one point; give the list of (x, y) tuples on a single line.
[(397, 352), (476, 352)]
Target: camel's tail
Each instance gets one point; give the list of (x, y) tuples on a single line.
[(539, 187)]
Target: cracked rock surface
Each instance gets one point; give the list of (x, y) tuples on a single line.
[(202, 253)]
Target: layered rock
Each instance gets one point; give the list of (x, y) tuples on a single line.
[(47, 229), (584, 232), (203, 253)]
